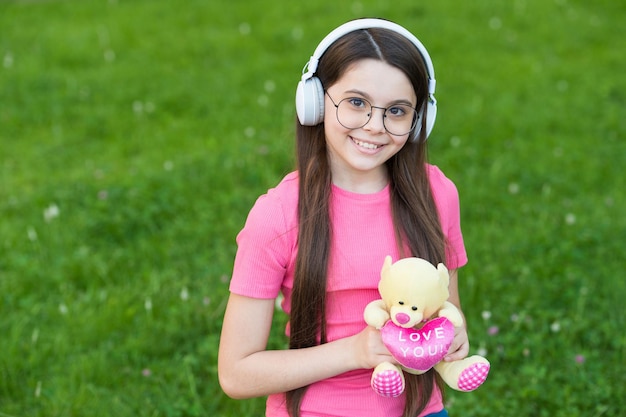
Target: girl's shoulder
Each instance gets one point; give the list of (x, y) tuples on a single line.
[(278, 205), (285, 192), (288, 185), (439, 182)]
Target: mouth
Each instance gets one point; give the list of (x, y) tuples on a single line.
[(366, 145)]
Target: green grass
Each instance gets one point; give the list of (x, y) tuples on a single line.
[(136, 135)]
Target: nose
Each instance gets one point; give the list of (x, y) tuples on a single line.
[(376, 124), (402, 318)]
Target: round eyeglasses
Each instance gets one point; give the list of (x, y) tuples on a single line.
[(356, 112)]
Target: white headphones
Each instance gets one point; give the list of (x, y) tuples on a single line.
[(310, 92)]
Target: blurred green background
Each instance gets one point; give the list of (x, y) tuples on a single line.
[(136, 135)]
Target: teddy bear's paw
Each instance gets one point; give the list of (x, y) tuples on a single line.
[(473, 376), (388, 383)]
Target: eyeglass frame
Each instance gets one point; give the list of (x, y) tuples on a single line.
[(416, 116)]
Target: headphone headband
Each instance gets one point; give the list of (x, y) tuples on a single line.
[(337, 33)]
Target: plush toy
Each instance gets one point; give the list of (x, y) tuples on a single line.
[(417, 326)]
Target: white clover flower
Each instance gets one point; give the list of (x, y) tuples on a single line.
[(278, 302), (249, 131), (137, 107), (296, 33), (245, 28), (495, 23), (263, 100), (7, 62), (109, 55), (184, 294), (269, 86), (486, 315), (51, 212), (32, 234)]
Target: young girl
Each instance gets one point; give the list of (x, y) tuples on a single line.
[(362, 190)]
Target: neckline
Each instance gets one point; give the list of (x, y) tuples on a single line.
[(338, 191)]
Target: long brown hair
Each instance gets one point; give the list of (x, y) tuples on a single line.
[(415, 216)]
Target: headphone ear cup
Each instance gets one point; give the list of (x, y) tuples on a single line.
[(431, 115), (310, 102)]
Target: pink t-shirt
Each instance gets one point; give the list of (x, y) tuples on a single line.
[(363, 235)]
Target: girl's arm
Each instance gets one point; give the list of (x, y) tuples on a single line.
[(246, 369), (460, 345)]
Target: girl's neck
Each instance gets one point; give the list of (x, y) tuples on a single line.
[(365, 183)]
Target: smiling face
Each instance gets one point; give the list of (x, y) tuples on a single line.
[(358, 156)]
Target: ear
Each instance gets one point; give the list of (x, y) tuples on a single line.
[(444, 276), (383, 272), (386, 265)]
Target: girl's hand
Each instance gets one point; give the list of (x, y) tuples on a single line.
[(369, 350), (460, 345)]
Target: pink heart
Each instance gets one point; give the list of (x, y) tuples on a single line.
[(419, 349)]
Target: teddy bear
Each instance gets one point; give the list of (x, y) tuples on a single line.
[(417, 326)]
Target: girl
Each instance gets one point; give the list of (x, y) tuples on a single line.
[(362, 190)]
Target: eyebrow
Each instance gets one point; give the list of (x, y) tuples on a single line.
[(369, 98)]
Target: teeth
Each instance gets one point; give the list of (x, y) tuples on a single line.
[(365, 144)]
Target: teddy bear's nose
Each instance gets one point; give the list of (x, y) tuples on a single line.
[(402, 318)]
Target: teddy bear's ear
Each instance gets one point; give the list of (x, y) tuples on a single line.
[(386, 265), (444, 276)]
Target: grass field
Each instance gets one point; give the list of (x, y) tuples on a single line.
[(136, 135)]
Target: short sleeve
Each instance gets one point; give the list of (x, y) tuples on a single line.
[(262, 251), (446, 198)]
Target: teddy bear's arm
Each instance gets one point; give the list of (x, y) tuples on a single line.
[(452, 313), (376, 314)]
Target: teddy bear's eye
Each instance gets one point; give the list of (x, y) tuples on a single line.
[(414, 308), (401, 303)]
